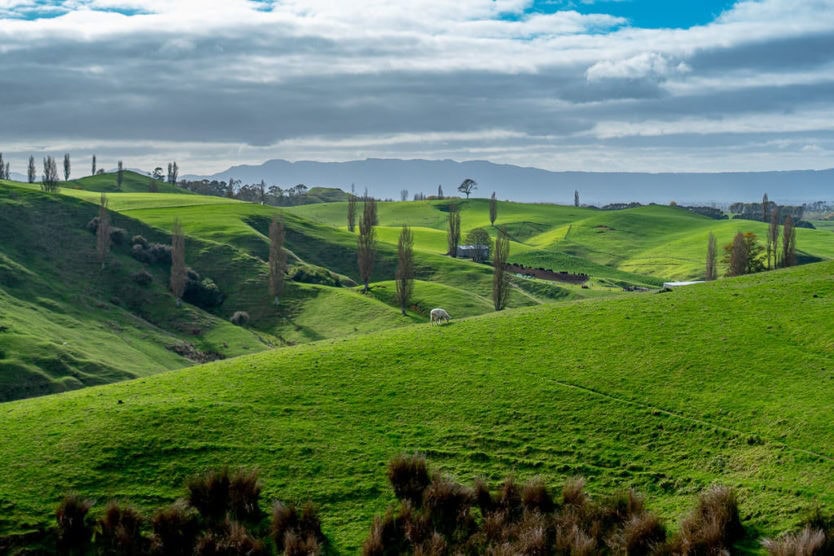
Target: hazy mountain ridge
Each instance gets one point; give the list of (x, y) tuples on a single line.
[(385, 178)]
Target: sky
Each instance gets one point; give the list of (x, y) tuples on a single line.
[(591, 85)]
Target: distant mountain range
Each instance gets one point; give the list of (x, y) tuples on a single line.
[(386, 178)]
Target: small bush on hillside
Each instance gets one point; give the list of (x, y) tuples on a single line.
[(245, 495), (143, 278), (233, 539), (209, 493), (714, 525), (175, 529), (808, 542), (313, 275), (240, 318), (409, 477), (296, 532), (74, 525), (139, 240), (120, 531), (118, 236), (202, 292)]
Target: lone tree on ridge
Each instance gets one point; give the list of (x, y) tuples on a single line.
[(67, 167), (467, 186), (31, 172), (493, 209)]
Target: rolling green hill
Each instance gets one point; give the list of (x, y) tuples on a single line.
[(726, 382)]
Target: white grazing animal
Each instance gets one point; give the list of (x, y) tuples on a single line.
[(438, 315)]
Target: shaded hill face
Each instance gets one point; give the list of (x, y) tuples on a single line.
[(386, 178), (728, 382)]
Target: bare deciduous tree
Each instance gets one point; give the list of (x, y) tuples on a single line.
[(500, 277), (453, 234), (2, 168), (120, 176), (94, 166), (712, 258), (277, 259), (765, 208), (31, 172), (103, 231), (744, 255), (178, 270), (493, 209), (8, 173), (175, 172), (351, 212), (440, 191), (576, 197), (67, 167), (788, 242), (366, 242), (737, 256), (49, 179), (403, 194), (405, 268)]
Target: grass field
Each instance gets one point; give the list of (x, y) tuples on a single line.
[(728, 382)]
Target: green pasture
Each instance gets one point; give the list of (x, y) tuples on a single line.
[(728, 382)]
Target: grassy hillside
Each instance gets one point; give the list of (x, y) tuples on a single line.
[(725, 382), (65, 322)]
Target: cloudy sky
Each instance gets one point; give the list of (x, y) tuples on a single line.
[(596, 85)]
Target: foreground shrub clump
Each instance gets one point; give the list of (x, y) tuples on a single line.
[(440, 516)]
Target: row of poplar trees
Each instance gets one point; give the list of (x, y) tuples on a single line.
[(405, 271)]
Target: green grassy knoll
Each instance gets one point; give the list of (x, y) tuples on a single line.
[(66, 323), (132, 182), (726, 382)]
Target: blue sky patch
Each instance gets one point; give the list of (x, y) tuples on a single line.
[(649, 14)]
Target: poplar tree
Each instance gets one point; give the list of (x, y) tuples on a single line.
[(712, 258), (103, 231), (405, 268), (119, 176), (773, 239), (67, 166), (576, 197), (94, 166), (788, 242), (175, 172), (351, 212), (49, 179), (500, 277), (178, 271), (2, 168), (453, 235), (31, 172), (277, 259), (366, 242), (493, 209)]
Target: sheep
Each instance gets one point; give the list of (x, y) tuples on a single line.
[(439, 314)]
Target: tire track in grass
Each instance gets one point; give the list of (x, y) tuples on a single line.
[(655, 410)]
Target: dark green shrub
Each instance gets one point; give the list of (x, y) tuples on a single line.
[(74, 525), (118, 236), (203, 293), (120, 531), (139, 240), (409, 477), (143, 278), (175, 529), (240, 318)]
